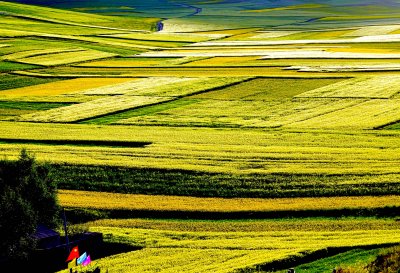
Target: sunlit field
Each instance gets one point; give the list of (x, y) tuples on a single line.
[(214, 136)]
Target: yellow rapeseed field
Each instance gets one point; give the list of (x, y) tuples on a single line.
[(103, 200), (205, 246)]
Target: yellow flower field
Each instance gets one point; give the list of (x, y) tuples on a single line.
[(111, 201), (219, 250)]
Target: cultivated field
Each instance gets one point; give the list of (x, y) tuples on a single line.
[(233, 136)]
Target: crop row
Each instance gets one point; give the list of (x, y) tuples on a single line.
[(93, 108), (132, 93), (117, 201), (175, 182), (222, 150), (267, 89), (241, 113), (367, 115), (66, 57), (371, 87), (145, 86)]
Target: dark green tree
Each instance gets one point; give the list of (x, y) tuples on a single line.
[(27, 198)]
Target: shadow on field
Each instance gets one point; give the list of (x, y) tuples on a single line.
[(53, 260), (78, 215)]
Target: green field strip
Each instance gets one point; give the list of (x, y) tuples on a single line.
[(264, 112), (22, 105), (36, 53), (14, 27), (351, 258), (63, 58), (267, 89), (54, 43), (394, 126), (109, 119), (92, 109), (6, 66), (69, 41)]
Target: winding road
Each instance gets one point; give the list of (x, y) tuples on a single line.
[(196, 10)]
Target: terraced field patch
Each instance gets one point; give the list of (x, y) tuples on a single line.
[(8, 81), (18, 56), (267, 89), (66, 57), (222, 251), (12, 66), (129, 62), (58, 87), (382, 87), (144, 86), (373, 30), (12, 110), (239, 113), (94, 108), (75, 18), (365, 115)]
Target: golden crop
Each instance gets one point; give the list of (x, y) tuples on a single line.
[(218, 150), (61, 87), (102, 200), (206, 247)]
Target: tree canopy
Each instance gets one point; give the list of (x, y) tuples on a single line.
[(27, 198)]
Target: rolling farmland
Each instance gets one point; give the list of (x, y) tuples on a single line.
[(229, 136)]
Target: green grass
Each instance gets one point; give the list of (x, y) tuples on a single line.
[(395, 126), (12, 66), (30, 105), (355, 257), (179, 182), (8, 81)]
